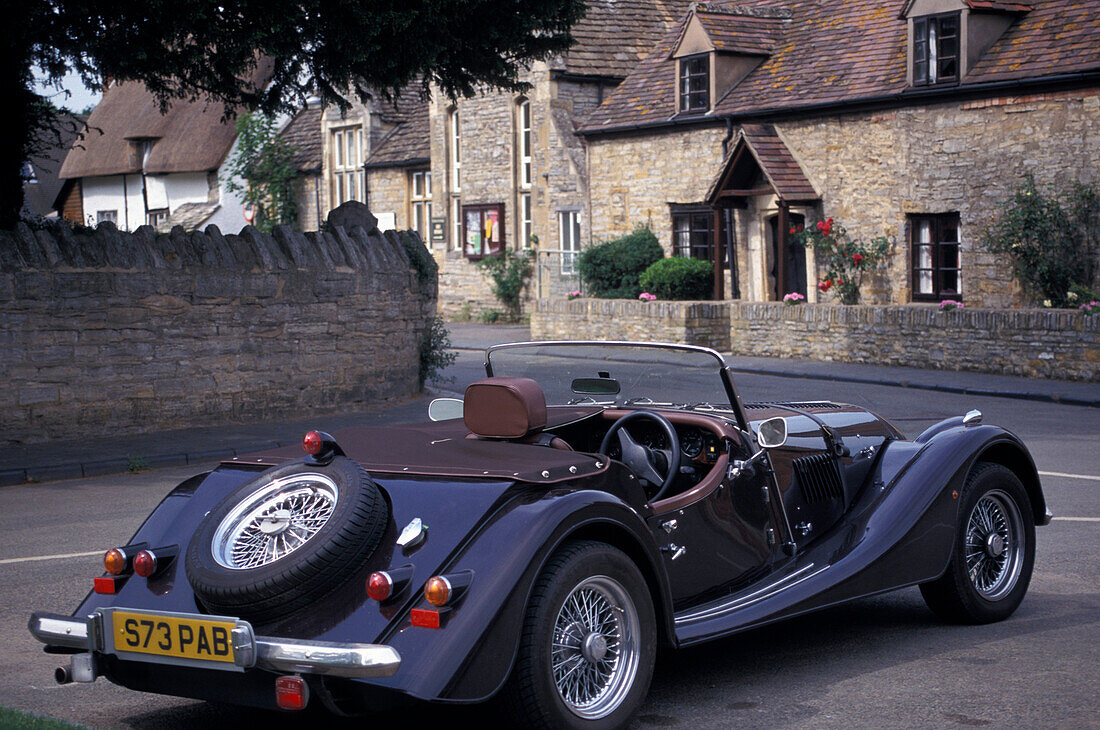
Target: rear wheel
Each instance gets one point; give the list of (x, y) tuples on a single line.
[(588, 645), (994, 550)]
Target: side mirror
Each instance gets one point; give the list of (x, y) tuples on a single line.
[(445, 409), (772, 433)]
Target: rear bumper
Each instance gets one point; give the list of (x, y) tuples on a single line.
[(357, 661)]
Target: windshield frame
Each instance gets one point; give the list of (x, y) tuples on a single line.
[(721, 369)]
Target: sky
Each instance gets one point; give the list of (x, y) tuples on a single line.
[(81, 97)]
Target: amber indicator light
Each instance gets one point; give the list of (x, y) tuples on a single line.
[(114, 561), (438, 591)]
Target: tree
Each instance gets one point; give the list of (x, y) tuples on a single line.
[(265, 161), (210, 49)]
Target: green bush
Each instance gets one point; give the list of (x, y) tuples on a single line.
[(610, 270), (679, 278)]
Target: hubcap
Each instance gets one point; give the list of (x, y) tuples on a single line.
[(994, 545), (274, 521), (594, 650)]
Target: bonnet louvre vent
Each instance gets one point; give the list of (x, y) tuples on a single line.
[(819, 477)]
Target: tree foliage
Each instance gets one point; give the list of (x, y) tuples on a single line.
[(265, 162), (611, 270), (211, 48), (1053, 247)]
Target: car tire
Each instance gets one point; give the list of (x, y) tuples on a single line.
[(993, 554), (611, 645), (327, 520)]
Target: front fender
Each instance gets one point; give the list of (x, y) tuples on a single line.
[(470, 657)]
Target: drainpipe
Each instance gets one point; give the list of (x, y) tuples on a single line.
[(727, 138)]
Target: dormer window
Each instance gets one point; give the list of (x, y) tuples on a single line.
[(695, 83), (936, 49)]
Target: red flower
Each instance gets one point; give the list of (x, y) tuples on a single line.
[(794, 231), (856, 258), (825, 285), (825, 226)]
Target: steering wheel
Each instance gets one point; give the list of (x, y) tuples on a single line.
[(643, 460)]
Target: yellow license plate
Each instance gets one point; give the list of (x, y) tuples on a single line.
[(173, 636)]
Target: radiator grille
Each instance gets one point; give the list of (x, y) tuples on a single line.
[(819, 477)]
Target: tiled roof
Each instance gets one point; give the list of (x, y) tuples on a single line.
[(741, 33), (304, 133), (408, 143), (775, 160), (614, 35), (845, 51)]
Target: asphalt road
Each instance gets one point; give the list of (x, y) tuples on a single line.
[(878, 662)]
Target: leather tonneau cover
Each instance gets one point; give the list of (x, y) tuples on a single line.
[(443, 449)]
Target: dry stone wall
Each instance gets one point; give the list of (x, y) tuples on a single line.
[(139, 332)]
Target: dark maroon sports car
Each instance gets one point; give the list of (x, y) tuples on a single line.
[(584, 504)]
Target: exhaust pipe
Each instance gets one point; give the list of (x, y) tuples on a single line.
[(63, 675), (83, 669)]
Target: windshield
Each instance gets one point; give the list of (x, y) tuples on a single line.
[(616, 373)]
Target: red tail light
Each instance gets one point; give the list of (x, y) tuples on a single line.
[(379, 586), (145, 564), (312, 443), (291, 693)]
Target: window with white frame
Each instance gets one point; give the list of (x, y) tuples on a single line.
[(456, 223), (569, 239), (523, 125), (106, 215), (421, 202), (347, 170), (456, 152), (525, 226)]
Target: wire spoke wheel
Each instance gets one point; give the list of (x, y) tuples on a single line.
[(274, 521), (595, 647), (993, 548)]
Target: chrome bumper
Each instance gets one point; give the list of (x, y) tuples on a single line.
[(359, 661), (1046, 518)]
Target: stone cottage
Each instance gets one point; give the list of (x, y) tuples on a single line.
[(507, 171), (911, 119)]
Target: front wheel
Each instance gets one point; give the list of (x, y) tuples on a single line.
[(588, 645), (994, 550)]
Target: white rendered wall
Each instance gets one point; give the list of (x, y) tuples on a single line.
[(107, 193)]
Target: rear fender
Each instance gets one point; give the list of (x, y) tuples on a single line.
[(470, 657)]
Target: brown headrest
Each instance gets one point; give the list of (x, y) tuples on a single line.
[(504, 408)]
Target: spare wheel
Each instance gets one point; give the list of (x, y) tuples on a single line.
[(286, 538)]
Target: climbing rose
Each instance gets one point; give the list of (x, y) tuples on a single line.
[(856, 258), (825, 285)]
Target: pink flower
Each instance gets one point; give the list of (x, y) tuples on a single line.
[(647, 297)]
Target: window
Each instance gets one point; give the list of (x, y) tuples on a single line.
[(421, 199), (569, 239), (936, 49), (456, 153), (347, 172), (935, 248), (695, 83), (525, 227), (524, 147), (156, 217), (456, 222), (693, 234), (106, 215), (483, 232)]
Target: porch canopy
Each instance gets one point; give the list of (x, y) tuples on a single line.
[(758, 164)]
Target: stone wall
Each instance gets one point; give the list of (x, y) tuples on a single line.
[(140, 332), (689, 323), (873, 170), (1058, 344)]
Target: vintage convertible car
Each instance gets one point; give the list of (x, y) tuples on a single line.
[(541, 553)]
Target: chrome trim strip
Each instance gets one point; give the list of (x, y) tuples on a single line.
[(57, 630), (754, 597), (327, 658)]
